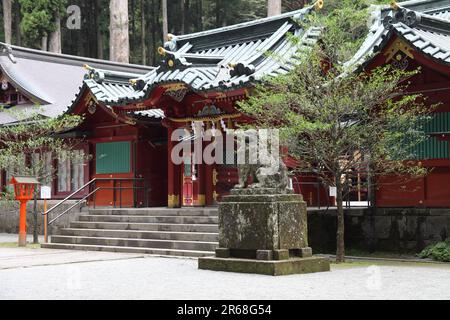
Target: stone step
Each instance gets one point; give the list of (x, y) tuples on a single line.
[(141, 243), (156, 212), (207, 228), (136, 234), (151, 251), (151, 219)]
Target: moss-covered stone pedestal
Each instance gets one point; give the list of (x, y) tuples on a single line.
[(264, 231)]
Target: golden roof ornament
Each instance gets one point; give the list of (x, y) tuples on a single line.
[(319, 4), (394, 5)]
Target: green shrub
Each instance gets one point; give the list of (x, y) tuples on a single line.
[(439, 251)]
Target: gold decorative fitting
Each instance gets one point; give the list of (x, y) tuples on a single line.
[(201, 200), (162, 51), (221, 95), (87, 67), (174, 87), (173, 201), (90, 97), (171, 63), (133, 81), (215, 177), (394, 5), (140, 105), (207, 119), (319, 4), (398, 45)]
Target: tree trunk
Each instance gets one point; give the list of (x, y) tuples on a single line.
[(143, 28), (199, 18), (273, 7), (35, 220), (17, 20), (183, 17), (153, 30), (218, 13), (164, 20), (340, 250), (100, 38), (119, 42), (44, 43), (55, 37), (7, 20)]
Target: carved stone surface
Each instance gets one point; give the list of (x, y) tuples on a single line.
[(264, 230), (270, 173), (257, 219)]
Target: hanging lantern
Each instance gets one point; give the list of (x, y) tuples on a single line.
[(224, 127), (24, 191), (213, 129), (203, 129)]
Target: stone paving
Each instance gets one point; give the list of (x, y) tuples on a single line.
[(60, 274), (11, 238)]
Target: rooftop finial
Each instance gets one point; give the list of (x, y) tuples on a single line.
[(394, 5), (162, 51), (319, 4)]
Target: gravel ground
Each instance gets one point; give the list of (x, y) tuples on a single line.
[(162, 278)]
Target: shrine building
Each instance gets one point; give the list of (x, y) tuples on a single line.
[(129, 120), (45, 83), (411, 35), (130, 112)]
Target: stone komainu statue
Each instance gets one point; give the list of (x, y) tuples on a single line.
[(270, 172)]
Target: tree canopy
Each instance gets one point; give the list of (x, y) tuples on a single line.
[(338, 120)]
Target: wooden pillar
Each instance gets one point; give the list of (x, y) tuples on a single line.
[(202, 185), (173, 175), (209, 188)]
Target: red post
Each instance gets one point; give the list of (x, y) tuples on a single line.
[(23, 224), (23, 189), (173, 176)]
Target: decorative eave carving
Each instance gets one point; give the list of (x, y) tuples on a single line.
[(398, 46)]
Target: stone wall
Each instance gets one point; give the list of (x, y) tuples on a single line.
[(383, 229), (9, 216)]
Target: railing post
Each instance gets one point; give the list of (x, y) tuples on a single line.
[(114, 192), (120, 194), (135, 195), (95, 194), (146, 194)]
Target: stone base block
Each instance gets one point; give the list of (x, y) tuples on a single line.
[(264, 255), (222, 252), (271, 268)]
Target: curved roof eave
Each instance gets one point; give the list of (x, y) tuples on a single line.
[(16, 80)]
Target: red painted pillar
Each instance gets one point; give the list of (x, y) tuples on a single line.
[(23, 224), (173, 175)]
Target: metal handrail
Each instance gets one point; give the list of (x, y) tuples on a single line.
[(90, 194), (73, 206), (69, 197)]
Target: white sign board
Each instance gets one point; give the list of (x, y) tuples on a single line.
[(333, 191), (46, 192)]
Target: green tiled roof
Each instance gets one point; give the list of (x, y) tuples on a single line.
[(221, 59)]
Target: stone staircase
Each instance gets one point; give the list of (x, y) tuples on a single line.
[(189, 232)]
